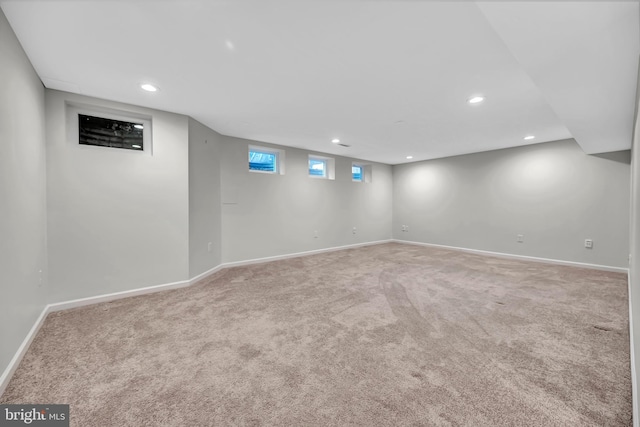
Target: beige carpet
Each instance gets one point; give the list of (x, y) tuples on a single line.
[(393, 334)]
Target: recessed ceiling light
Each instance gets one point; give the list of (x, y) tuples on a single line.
[(335, 141), (529, 137), (475, 99), (229, 45), (138, 126), (148, 87), (409, 157)]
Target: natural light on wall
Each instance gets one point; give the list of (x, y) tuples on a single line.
[(537, 172), (519, 183), (430, 186), (428, 180)]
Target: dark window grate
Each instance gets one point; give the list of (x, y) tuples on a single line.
[(105, 132)]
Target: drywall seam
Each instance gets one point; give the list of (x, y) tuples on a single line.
[(520, 257)]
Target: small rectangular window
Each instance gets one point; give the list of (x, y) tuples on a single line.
[(317, 167), (105, 132), (322, 167), (356, 173), (263, 161)]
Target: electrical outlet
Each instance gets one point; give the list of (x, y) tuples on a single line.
[(315, 234), (588, 243), (354, 230), (520, 238)]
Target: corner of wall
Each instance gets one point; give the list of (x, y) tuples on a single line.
[(205, 221), (23, 252), (634, 257)]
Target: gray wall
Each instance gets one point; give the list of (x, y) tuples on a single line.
[(112, 220), (552, 193), (22, 195), (268, 215), (117, 219), (205, 239)]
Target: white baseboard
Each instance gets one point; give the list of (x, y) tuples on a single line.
[(281, 257), (65, 305), (520, 257), (50, 308), (206, 274), (299, 254), (632, 357), (13, 365), (22, 350)]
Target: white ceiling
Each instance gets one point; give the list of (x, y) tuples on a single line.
[(390, 78)]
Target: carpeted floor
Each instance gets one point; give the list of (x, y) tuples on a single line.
[(392, 334)]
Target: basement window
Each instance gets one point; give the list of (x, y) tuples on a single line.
[(317, 167), (263, 162), (105, 132), (322, 167), (266, 160), (357, 173), (361, 172), (93, 127)]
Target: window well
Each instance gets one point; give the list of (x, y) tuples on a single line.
[(318, 167), (322, 167), (112, 133), (356, 173), (266, 160), (261, 161)]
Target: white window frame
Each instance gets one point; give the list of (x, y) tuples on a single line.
[(73, 133), (279, 155), (361, 166), (329, 167), (324, 168), (367, 172)]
